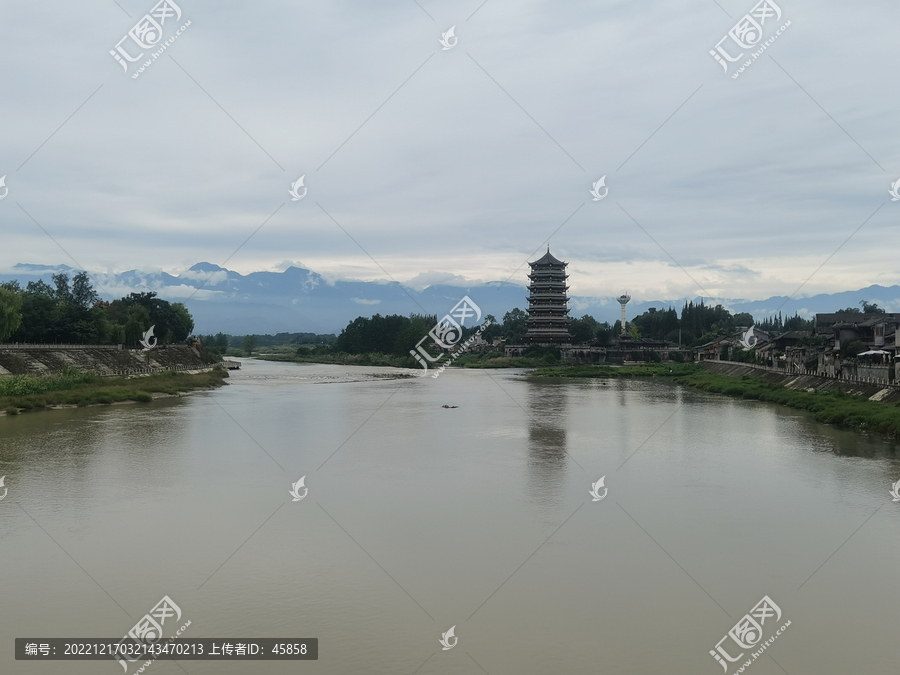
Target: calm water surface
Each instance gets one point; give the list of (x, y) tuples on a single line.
[(419, 518)]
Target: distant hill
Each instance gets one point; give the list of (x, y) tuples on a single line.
[(299, 300)]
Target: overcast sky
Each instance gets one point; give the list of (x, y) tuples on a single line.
[(458, 164)]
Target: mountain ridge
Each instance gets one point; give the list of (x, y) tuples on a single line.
[(300, 300)]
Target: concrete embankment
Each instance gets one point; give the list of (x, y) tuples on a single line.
[(874, 392), (97, 359)]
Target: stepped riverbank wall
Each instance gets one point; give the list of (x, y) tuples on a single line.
[(870, 390), (104, 360)]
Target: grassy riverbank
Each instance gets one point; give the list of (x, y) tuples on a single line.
[(831, 407), (481, 360), (74, 387), (606, 370)]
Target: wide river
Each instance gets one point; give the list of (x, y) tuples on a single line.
[(419, 518)]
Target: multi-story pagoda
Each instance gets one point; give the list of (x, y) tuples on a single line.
[(548, 320)]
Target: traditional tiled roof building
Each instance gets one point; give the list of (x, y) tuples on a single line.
[(548, 304)]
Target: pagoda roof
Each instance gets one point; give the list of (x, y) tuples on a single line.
[(547, 259)]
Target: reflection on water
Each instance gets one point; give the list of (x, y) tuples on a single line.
[(424, 514), (547, 458)]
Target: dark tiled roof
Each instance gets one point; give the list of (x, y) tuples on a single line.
[(547, 259), (837, 317), (856, 318)]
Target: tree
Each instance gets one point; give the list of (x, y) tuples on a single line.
[(872, 308), (249, 344), (701, 318), (83, 295), (797, 322), (604, 334), (69, 311), (583, 329), (743, 319), (39, 320), (183, 323), (10, 312), (62, 292), (494, 329), (656, 325), (137, 323), (409, 335), (514, 325), (40, 287), (633, 332), (172, 321)]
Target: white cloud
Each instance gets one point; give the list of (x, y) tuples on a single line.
[(213, 279), (433, 278), (748, 185)]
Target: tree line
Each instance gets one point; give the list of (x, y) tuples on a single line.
[(70, 311), (698, 324)]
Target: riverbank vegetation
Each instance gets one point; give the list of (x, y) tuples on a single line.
[(388, 340), (74, 387), (606, 370), (534, 357), (71, 312), (830, 407)]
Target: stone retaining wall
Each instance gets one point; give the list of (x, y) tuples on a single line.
[(98, 359)]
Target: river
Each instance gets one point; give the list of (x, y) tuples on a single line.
[(419, 518)]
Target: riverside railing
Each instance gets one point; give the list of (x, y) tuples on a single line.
[(44, 345), (25, 345), (846, 377)]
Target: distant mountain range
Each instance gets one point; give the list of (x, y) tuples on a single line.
[(299, 300)]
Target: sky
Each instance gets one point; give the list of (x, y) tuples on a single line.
[(424, 164)]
